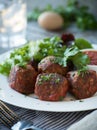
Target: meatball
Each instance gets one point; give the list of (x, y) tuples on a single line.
[(51, 86), (92, 54), (83, 85), (23, 79), (48, 65)]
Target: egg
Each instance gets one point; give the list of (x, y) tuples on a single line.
[(50, 20)]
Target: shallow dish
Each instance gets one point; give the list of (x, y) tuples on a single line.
[(31, 102)]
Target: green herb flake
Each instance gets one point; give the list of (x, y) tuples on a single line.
[(57, 80), (46, 77), (81, 101), (61, 98)]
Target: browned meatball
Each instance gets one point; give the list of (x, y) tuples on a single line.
[(48, 65), (51, 87), (23, 79), (83, 85)]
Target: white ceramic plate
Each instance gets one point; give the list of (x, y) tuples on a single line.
[(12, 97)]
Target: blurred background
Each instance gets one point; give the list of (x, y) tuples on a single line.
[(92, 4), (39, 32), (20, 22)]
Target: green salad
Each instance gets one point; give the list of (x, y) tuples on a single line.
[(55, 46)]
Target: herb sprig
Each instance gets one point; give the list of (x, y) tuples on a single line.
[(74, 55), (47, 47), (19, 57), (50, 47)]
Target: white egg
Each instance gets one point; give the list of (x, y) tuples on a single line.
[(50, 20)]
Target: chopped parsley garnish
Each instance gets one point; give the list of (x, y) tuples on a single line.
[(57, 80), (48, 77), (44, 78)]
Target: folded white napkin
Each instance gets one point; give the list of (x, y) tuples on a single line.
[(87, 123)]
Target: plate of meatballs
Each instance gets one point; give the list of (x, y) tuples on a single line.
[(48, 86)]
